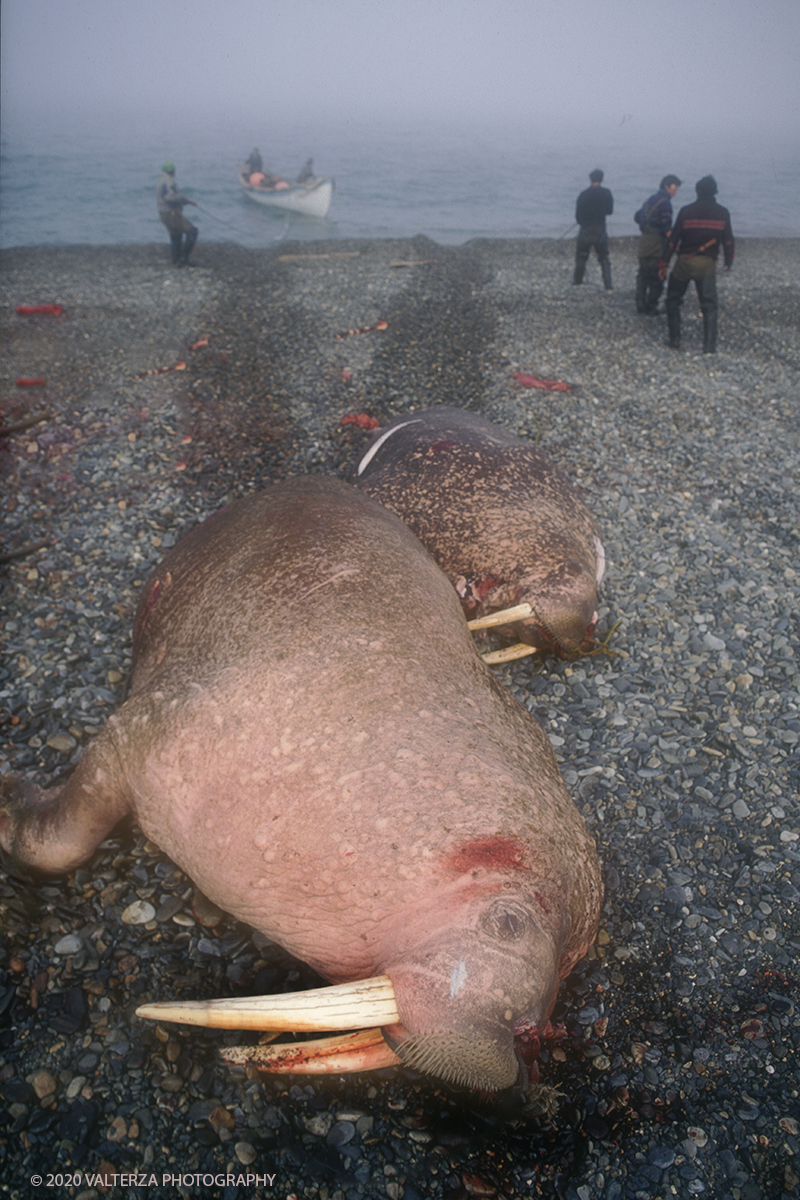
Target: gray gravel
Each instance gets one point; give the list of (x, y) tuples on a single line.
[(677, 1072)]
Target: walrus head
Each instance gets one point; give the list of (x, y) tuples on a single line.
[(563, 601), (462, 995), (449, 1008)]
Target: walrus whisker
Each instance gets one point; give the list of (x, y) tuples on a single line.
[(602, 646), (366, 1002), (518, 613), (464, 1061)]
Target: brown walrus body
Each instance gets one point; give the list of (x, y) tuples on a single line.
[(499, 518), (311, 736)]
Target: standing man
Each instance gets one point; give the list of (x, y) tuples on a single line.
[(170, 210), (698, 233), (654, 219), (591, 209)]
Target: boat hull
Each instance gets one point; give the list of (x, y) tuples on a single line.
[(311, 200)]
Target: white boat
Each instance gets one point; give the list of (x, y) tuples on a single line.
[(312, 198)]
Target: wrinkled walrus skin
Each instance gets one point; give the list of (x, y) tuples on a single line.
[(312, 737), (498, 517)]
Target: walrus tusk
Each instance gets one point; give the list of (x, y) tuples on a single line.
[(366, 1002), (364, 1051), (509, 653), (506, 615)]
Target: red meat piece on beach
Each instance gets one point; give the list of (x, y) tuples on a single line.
[(361, 420), (40, 310), (552, 385)]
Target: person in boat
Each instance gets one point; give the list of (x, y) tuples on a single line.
[(591, 209), (253, 164), (257, 176), (307, 172), (696, 237), (654, 219), (170, 202)]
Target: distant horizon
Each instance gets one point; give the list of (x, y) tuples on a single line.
[(27, 123)]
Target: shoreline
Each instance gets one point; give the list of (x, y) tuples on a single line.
[(681, 748)]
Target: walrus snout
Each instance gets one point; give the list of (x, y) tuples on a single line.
[(460, 998), (564, 604), (482, 1058)]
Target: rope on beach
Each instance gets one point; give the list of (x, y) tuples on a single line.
[(213, 216)]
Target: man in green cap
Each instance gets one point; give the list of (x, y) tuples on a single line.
[(182, 233)]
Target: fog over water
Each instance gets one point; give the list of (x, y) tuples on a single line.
[(710, 65), (455, 119)]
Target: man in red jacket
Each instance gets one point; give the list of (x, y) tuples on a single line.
[(696, 236)]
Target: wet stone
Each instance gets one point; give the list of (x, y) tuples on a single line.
[(117, 1130), (221, 1120), (43, 1084), (63, 742), (319, 1125), (206, 946), (205, 911), (171, 1083), (661, 1157), (74, 1086), (341, 1133), (138, 913), (71, 944), (168, 909)]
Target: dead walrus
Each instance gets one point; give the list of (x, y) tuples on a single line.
[(501, 521), (311, 736)]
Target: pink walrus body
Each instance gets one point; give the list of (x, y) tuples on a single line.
[(311, 736)]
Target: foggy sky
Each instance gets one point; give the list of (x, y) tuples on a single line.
[(700, 64)]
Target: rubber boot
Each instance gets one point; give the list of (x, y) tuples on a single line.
[(709, 333), (579, 270), (175, 247), (641, 292), (605, 267), (188, 246), (674, 327), (654, 291)]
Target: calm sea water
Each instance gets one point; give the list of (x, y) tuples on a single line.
[(75, 180)]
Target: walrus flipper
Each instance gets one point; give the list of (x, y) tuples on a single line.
[(57, 829)]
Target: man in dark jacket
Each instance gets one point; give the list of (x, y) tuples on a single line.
[(696, 236), (591, 209), (654, 219), (170, 209)]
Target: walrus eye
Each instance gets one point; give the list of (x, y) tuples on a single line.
[(509, 922)]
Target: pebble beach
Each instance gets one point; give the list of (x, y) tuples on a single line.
[(167, 393)]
